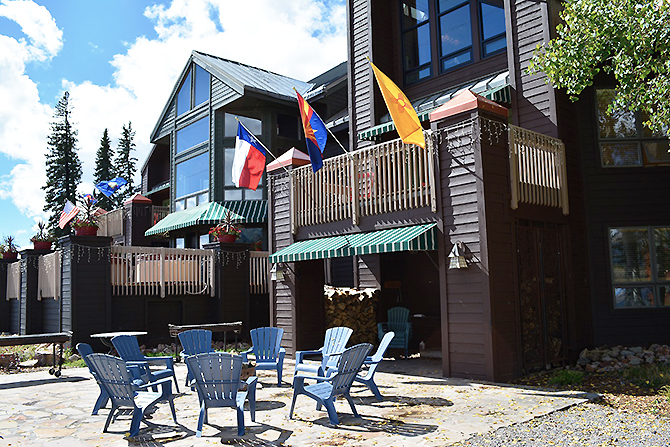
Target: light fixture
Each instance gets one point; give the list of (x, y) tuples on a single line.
[(276, 273), (456, 256)]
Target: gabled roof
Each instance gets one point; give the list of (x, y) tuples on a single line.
[(239, 77)]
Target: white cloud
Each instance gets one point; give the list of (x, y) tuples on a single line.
[(298, 38)]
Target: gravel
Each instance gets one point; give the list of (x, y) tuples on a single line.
[(582, 425)]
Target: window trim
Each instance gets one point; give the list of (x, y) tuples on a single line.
[(655, 283)]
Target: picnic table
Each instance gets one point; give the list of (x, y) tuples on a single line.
[(56, 338), (235, 327)]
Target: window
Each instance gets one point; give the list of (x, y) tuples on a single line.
[(456, 32), (193, 134), (252, 124), (624, 141), (640, 258), (231, 192), (192, 177), (194, 90)]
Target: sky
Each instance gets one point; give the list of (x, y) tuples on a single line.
[(119, 60)]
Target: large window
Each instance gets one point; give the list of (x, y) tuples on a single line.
[(441, 35), (640, 259), (252, 124), (193, 134), (193, 178), (194, 90), (624, 141)]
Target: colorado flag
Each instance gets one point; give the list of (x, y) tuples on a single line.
[(249, 161)]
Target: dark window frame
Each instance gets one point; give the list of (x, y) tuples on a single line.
[(191, 74)]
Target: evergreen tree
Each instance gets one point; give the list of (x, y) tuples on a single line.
[(63, 167), (104, 170), (125, 164)]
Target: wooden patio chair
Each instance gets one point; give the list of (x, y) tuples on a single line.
[(326, 390), (398, 322), (266, 347), (126, 392), (217, 381), (334, 343), (85, 350), (193, 342), (129, 350)]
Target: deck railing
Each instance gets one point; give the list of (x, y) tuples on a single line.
[(111, 223), (161, 271), (387, 177), (259, 269), (159, 213), (537, 169)]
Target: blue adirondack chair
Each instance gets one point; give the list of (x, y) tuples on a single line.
[(266, 347), (334, 344), (367, 378), (398, 322), (217, 381), (326, 390), (195, 341), (129, 350), (125, 392), (84, 351)]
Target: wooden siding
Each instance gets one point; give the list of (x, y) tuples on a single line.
[(4, 303), (167, 125), (25, 325), (14, 316), (342, 272), (221, 93), (535, 107), (618, 197), (361, 94), (369, 271), (50, 315), (280, 230)]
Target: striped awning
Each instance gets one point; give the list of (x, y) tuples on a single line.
[(417, 237), (244, 211)]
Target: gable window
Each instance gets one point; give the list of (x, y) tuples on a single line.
[(194, 90), (640, 258), (441, 35), (624, 141)]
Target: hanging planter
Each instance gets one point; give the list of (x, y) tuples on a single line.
[(86, 230)]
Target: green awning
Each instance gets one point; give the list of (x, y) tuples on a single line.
[(500, 94), (244, 211), (417, 237)]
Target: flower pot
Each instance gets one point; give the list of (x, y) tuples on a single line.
[(88, 230), (10, 255), (229, 238), (42, 245)]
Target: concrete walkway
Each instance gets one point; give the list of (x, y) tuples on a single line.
[(420, 408)]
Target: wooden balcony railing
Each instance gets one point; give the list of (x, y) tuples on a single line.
[(111, 223), (159, 213), (259, 270), (384, 178), (537, 169)]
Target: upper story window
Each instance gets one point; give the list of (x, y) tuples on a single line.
[(194, 90), (441, 35), (252, 124), (192, 179), (230, 191), (624, 141), (193, 134)]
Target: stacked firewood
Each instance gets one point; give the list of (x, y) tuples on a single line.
[(353, 308)]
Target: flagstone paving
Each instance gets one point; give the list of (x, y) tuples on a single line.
[(419, 408)]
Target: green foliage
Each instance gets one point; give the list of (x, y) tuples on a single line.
[(627, 39), (665, 392), (564, 377), (648, 376), (104, 170), (63, 167), (125, 164)]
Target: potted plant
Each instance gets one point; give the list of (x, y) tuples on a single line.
[(86, 224), (42, 240), (227, 230), (8, 248)]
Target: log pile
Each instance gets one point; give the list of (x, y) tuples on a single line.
[(353, 308)]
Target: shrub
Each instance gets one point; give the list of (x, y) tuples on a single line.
[(566, 377), (648, 376)]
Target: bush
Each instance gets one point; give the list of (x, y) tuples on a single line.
[(648, 376), (566, 377)]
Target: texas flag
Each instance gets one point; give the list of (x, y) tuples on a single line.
[(249, 161), (316, 134)]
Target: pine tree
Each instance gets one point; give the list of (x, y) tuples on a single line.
[(63, 167), (125, 164), (104, 170)]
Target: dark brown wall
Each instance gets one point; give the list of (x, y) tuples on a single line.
[(618, 197), (4, 304), (31, 308), (310, 314)]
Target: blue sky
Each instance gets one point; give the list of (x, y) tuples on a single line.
[(119, 59)]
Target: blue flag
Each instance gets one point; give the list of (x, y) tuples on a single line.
[(316, 134), (109, 187)]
